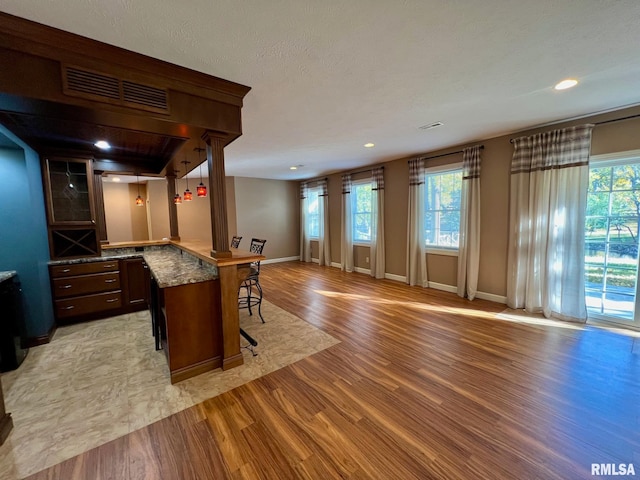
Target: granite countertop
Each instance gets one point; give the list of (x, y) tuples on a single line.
[(7, 275), (169, 265)]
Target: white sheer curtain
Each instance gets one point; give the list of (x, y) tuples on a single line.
[(416, 259), (324, 240), (305, 244), (469, 244), (549, 181), (346, 237), (377, 264)]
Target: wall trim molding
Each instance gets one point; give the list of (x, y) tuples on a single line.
[(492, 297), (279, 260), (362, 270), (443, 287), (336, 265), (397, 278)]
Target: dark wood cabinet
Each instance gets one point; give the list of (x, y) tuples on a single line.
[(69, 195), (135, 279), (99, 289), (83, 289)]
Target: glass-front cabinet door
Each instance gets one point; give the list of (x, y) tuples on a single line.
[(70, 207)]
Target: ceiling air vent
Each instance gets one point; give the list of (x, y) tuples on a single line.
[(144, 95), (79, 82)]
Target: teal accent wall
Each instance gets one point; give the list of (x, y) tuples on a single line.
[(23, 230)]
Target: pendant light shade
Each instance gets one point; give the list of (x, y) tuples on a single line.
[(201, 189), (177, 199), (188, 196), (139, 199)]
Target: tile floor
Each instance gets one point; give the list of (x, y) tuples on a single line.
[(100, 380)]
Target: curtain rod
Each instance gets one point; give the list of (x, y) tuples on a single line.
[(363, 171), (317, 179), (599, 123), (446, 154)]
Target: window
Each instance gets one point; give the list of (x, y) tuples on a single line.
[(313, 213), (611, 240), (443, 190), (361, 211)]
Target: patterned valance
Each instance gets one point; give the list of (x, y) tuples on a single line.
[(416, 171), (567, 147), (377, 178), (324, 192), (471, 162), (346, 183), (304, 191)]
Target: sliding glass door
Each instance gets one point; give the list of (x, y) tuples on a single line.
[(611, 253)]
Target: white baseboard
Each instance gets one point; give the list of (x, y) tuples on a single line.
[(315, 260), (397, 278), (443, 287), (279, 260), (491, 297), (362, 270), (336, 265)]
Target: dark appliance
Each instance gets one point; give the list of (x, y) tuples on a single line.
[(12, 327)]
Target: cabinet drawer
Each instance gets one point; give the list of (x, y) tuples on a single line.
[(72, 307), (74, 286), (73, 269)]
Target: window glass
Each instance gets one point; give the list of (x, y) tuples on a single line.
[(313, 213), (361, 210), (442, 208)]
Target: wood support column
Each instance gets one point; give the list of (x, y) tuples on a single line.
[(98, 193), (217, 195), (231, 276), (173, 208)]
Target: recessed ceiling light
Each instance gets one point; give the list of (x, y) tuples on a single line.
[(102, 144), (431, 125), (115, 179), (567, 83), (293, 168), (369, 145)]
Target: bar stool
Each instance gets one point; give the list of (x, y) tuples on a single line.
[(235, 242), (247, 299)]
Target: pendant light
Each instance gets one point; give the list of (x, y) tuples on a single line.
[(188, 196), (139, 200), (201, 189), (177, 199)]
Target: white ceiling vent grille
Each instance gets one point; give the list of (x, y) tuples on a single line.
[(101, 87)]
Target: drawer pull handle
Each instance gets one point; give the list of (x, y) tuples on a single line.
[(65, 286), (70, 307), (111, 280), (109, 266), (65, 270), (111, 300)]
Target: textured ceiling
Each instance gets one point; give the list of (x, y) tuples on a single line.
[(328, 76)]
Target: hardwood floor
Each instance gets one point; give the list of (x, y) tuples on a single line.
[(422, 385)]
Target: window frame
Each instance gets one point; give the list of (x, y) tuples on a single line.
[(441, 169), (354, 185), (317, 191)]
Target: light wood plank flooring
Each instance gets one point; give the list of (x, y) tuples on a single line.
[(422, 385)]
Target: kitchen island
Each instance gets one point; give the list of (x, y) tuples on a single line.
[(193, 300)]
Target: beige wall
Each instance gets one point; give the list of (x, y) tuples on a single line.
[(269, 209), (496, 160), (194, 217), (158, 209), (125, 221)]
